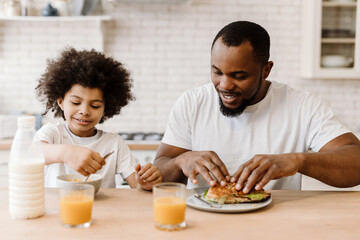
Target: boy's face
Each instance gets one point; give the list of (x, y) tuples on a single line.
[(83, 108)]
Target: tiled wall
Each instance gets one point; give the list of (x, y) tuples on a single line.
[(167, 49)]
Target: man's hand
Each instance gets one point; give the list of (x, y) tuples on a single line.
[(82, 159), (205, 162), (259, 170)]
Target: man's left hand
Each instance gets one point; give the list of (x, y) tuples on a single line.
[(260, 169)]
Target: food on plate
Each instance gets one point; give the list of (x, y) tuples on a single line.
[(229, 194)]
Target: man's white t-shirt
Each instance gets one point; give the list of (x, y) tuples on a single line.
[(121, 162), (285, 121)]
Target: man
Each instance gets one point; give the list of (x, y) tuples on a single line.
[(245, 129)]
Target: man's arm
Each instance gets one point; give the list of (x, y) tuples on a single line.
[(165, 162), (177, 164), (336, 164)]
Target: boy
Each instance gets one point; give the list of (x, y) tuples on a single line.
[(86, 88)]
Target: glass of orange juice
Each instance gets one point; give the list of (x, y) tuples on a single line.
[(169, 206), (76, 203)]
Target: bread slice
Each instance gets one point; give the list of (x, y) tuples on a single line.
[(229, 194)]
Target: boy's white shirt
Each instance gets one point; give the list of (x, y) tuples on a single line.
[(122, 162)]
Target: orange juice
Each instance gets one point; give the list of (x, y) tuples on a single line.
[(76, 209), (169, 210)]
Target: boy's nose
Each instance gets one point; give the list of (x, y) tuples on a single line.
[(84, 110)]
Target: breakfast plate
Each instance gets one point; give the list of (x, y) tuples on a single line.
[(193, 202)]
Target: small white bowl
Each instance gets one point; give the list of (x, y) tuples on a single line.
[(70, 179)]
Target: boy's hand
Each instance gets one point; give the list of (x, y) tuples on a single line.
[(147, 176), (82, 159)]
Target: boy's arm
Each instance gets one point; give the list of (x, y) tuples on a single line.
[(81, 159), (131, 180), (52, 153)]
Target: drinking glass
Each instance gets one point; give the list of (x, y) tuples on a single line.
[(76, 203), (169, 206)]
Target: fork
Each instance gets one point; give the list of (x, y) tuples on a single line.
[(104, 159), (204, 201)]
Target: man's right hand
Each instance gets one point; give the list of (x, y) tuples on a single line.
[(205, 163)]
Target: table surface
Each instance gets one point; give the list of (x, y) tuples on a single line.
[(127, 214)]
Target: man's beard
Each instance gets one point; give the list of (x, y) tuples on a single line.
[(234, 112)]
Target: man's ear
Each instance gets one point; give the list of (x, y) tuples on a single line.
[(267, 69), (60, 103)]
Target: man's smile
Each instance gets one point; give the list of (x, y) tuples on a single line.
[(229, 98)]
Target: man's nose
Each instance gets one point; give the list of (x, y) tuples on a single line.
[(226, 83)]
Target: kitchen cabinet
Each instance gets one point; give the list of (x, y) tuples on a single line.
[(98, 19), (330, 39), (54, 19)]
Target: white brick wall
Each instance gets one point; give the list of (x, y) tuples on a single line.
[(167, 49)]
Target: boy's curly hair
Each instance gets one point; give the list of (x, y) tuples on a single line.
[(88, 69)]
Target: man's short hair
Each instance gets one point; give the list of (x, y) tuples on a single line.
[(236, 33)]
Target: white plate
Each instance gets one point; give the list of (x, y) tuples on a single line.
[(226, 208)]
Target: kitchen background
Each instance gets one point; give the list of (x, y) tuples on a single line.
[(166, 46)]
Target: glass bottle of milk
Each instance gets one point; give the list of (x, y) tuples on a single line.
[(26, 172)]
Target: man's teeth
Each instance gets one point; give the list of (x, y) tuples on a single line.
[(82, 120), (228, 96)]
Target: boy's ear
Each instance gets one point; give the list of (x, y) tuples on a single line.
[(60, 103)]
